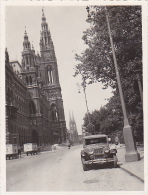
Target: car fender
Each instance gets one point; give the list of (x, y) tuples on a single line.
[(82, 153)]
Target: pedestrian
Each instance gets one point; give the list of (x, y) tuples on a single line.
[(19, 152), (116, 140), (39, 149), (69, 145), (53, 148)]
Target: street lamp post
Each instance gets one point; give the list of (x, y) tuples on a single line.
[(86, 104), (139, 84), (131, 150), (84, 88)]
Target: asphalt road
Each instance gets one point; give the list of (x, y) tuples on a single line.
[(62, 171)]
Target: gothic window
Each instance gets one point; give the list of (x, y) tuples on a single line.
[(30, 79), (45, 40), (54, 113), (27, 80), (11, 96), (32, 109), (50, 76), (27, 59), (8, 96)]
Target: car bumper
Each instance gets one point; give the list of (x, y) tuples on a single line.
[(99, 161)]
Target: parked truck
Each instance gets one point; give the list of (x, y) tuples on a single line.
[(11, 151), (31, 148)]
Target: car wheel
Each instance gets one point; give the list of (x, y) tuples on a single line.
[(115, 161), (85, 167)]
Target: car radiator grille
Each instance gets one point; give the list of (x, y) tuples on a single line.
[(98, 153)]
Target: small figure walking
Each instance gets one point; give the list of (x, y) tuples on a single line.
[(69, 145), (19, 152), (53, 148), (38, 149), (116, 140)]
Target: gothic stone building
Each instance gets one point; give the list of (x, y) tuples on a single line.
[(34, 105)]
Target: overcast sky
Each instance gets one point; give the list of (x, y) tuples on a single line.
[(66, 25)]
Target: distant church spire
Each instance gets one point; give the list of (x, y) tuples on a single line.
[(73, 128), (69, 118), (73, 117)]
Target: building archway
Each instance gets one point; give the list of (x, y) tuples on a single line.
[(35, 138)]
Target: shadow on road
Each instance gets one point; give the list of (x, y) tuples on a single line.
[(103, 166)]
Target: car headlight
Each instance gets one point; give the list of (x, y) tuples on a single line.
[(113, 151), (91, 152), (106, 151)]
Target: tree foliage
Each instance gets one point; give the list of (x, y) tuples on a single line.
[(96, 64)]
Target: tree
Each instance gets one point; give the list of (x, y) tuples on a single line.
[(96, 62)]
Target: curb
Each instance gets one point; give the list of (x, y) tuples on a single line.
[(132, 174)]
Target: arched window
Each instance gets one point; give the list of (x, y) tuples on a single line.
[(11, 97), (27, 80), (54, 113), (50, 75), (30, 80), (45, 40), (8, 96), (27, 59), (32, 109)]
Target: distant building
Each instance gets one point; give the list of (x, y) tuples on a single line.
[(73, 129), (34, 104), (16, 66)]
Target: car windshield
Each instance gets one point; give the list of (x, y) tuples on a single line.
[(95, 140)]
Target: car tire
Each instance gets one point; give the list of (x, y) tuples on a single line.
[(115, 161), (85, 167)]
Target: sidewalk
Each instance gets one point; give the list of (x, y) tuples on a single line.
[(134, 168)]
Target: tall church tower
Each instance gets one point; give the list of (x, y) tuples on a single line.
[(30, 76), (48, 71)]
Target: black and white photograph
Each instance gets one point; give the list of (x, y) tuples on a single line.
[(74, 97)]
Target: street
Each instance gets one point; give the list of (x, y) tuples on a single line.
[(62, 171)]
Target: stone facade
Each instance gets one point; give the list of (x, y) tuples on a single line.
[(34, 104)]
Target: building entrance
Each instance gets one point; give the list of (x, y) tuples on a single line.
[(35, 138)]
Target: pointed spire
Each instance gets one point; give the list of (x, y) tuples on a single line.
[(43, 16), (32, 46), (42, 11), (69, 117), (25, 35), (26, 42), (73, 117)]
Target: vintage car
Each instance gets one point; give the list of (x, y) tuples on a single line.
[(96, 150)]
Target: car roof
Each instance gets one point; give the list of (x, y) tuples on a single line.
[(94, 136)]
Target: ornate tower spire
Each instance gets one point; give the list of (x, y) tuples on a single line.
[(45, 40), (28, 62), (49, 69), (26, 43)]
